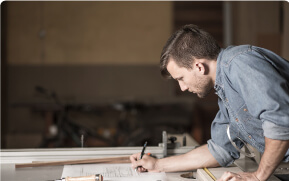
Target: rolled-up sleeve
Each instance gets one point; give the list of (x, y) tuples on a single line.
[(220, 154), (265, 90), (274, 131)]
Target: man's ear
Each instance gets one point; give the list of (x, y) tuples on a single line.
[(201, 68)]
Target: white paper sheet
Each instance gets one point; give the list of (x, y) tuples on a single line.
[(111, 172)]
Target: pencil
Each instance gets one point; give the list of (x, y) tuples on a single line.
[(143, 150), (210, 174), (142, 153)]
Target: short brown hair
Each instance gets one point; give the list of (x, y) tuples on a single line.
[(186, 44)]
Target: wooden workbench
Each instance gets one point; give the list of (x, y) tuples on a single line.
[(10, 157)]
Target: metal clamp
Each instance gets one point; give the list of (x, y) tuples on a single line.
[(250, 155)]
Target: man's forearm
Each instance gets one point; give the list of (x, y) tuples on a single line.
[(197, 158), (274, 153)]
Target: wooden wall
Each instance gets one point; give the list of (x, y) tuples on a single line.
[(91, 32), (285, 31), (262, 24)]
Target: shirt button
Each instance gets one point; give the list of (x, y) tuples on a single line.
[(245, 110), (237, 119), (226, 100), (249, 136)]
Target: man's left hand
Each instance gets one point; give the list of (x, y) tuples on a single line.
[(244, 176)]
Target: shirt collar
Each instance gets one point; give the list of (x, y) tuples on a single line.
[(218, 81)]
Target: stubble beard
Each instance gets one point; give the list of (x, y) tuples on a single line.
[(207, 86), (205, 93)]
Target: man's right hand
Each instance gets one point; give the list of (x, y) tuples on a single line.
[(147, 163), (194, 159)]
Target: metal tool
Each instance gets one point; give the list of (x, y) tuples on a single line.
[(165, 144), (170, 142), (251, 153)]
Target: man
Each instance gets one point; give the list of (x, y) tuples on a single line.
[(253, 90)]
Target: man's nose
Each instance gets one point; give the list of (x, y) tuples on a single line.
[(183, 86)]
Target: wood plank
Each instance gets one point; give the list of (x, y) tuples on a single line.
[(124, 159), (203, 176)]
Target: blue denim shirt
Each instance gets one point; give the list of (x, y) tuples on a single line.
[(252, 84)]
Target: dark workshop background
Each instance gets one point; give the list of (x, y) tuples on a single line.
[(91, 68)]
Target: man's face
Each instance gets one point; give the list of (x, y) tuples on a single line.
[(192, 80)]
